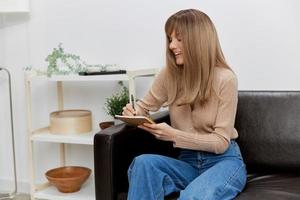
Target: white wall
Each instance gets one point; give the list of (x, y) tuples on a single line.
[(260, 40)]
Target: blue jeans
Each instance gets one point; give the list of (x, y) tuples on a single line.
[(196, 175)]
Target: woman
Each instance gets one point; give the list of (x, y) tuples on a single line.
[(201, 92)]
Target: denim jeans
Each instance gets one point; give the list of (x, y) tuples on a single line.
[(195, 174)]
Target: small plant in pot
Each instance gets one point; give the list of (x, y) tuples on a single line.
[(114, 104)]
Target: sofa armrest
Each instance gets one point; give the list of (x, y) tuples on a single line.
[(115, 148)]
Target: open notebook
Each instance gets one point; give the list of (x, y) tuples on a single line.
[(134, 120)]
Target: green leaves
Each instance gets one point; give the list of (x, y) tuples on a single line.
[(62, 63), (114, 104)]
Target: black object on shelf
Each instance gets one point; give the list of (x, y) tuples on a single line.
[(102, 73)]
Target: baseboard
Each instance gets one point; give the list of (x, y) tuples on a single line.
[(8, 186)]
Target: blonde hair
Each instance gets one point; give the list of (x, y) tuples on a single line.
[(201, 53)]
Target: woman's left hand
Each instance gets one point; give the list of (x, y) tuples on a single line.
[(161, 131)]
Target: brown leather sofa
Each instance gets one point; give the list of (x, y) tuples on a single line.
[(268, 123)]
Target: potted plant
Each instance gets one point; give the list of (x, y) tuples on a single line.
[(114, 104)]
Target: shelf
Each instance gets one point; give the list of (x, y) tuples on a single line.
[(44, 135), (87, 192), (122, 77), (20, 11), (14, 6), (112, 77)]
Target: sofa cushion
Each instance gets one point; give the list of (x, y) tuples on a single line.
[(272, 187), (268, 124)]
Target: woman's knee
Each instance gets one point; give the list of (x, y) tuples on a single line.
[(143, 162)]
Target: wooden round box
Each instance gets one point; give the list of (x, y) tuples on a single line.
[(70, 121)]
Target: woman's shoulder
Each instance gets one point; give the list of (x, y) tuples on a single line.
[(161, 77), (162, 71), (223, 74)]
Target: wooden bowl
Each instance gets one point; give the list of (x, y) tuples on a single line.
[(68, 179), (106, 124)]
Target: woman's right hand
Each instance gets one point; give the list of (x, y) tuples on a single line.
[(128, 110)]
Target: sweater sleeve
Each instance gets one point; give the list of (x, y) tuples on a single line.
[(155, 97), (219, 139)]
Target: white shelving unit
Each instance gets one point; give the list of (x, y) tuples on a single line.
[(45, 190)]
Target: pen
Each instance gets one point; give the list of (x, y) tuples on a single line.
[(132, 102)]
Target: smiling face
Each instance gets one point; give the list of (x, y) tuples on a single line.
[(175, 45)]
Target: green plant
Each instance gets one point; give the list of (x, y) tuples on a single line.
[(114, 104), (62, 63)]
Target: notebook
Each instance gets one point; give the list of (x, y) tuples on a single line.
[(135, 120)]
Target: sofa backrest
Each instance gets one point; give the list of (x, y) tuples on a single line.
[(268, 123)]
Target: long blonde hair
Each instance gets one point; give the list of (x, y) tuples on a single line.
[(201, 53)]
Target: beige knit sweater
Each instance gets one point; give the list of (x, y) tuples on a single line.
[(207, 128)]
